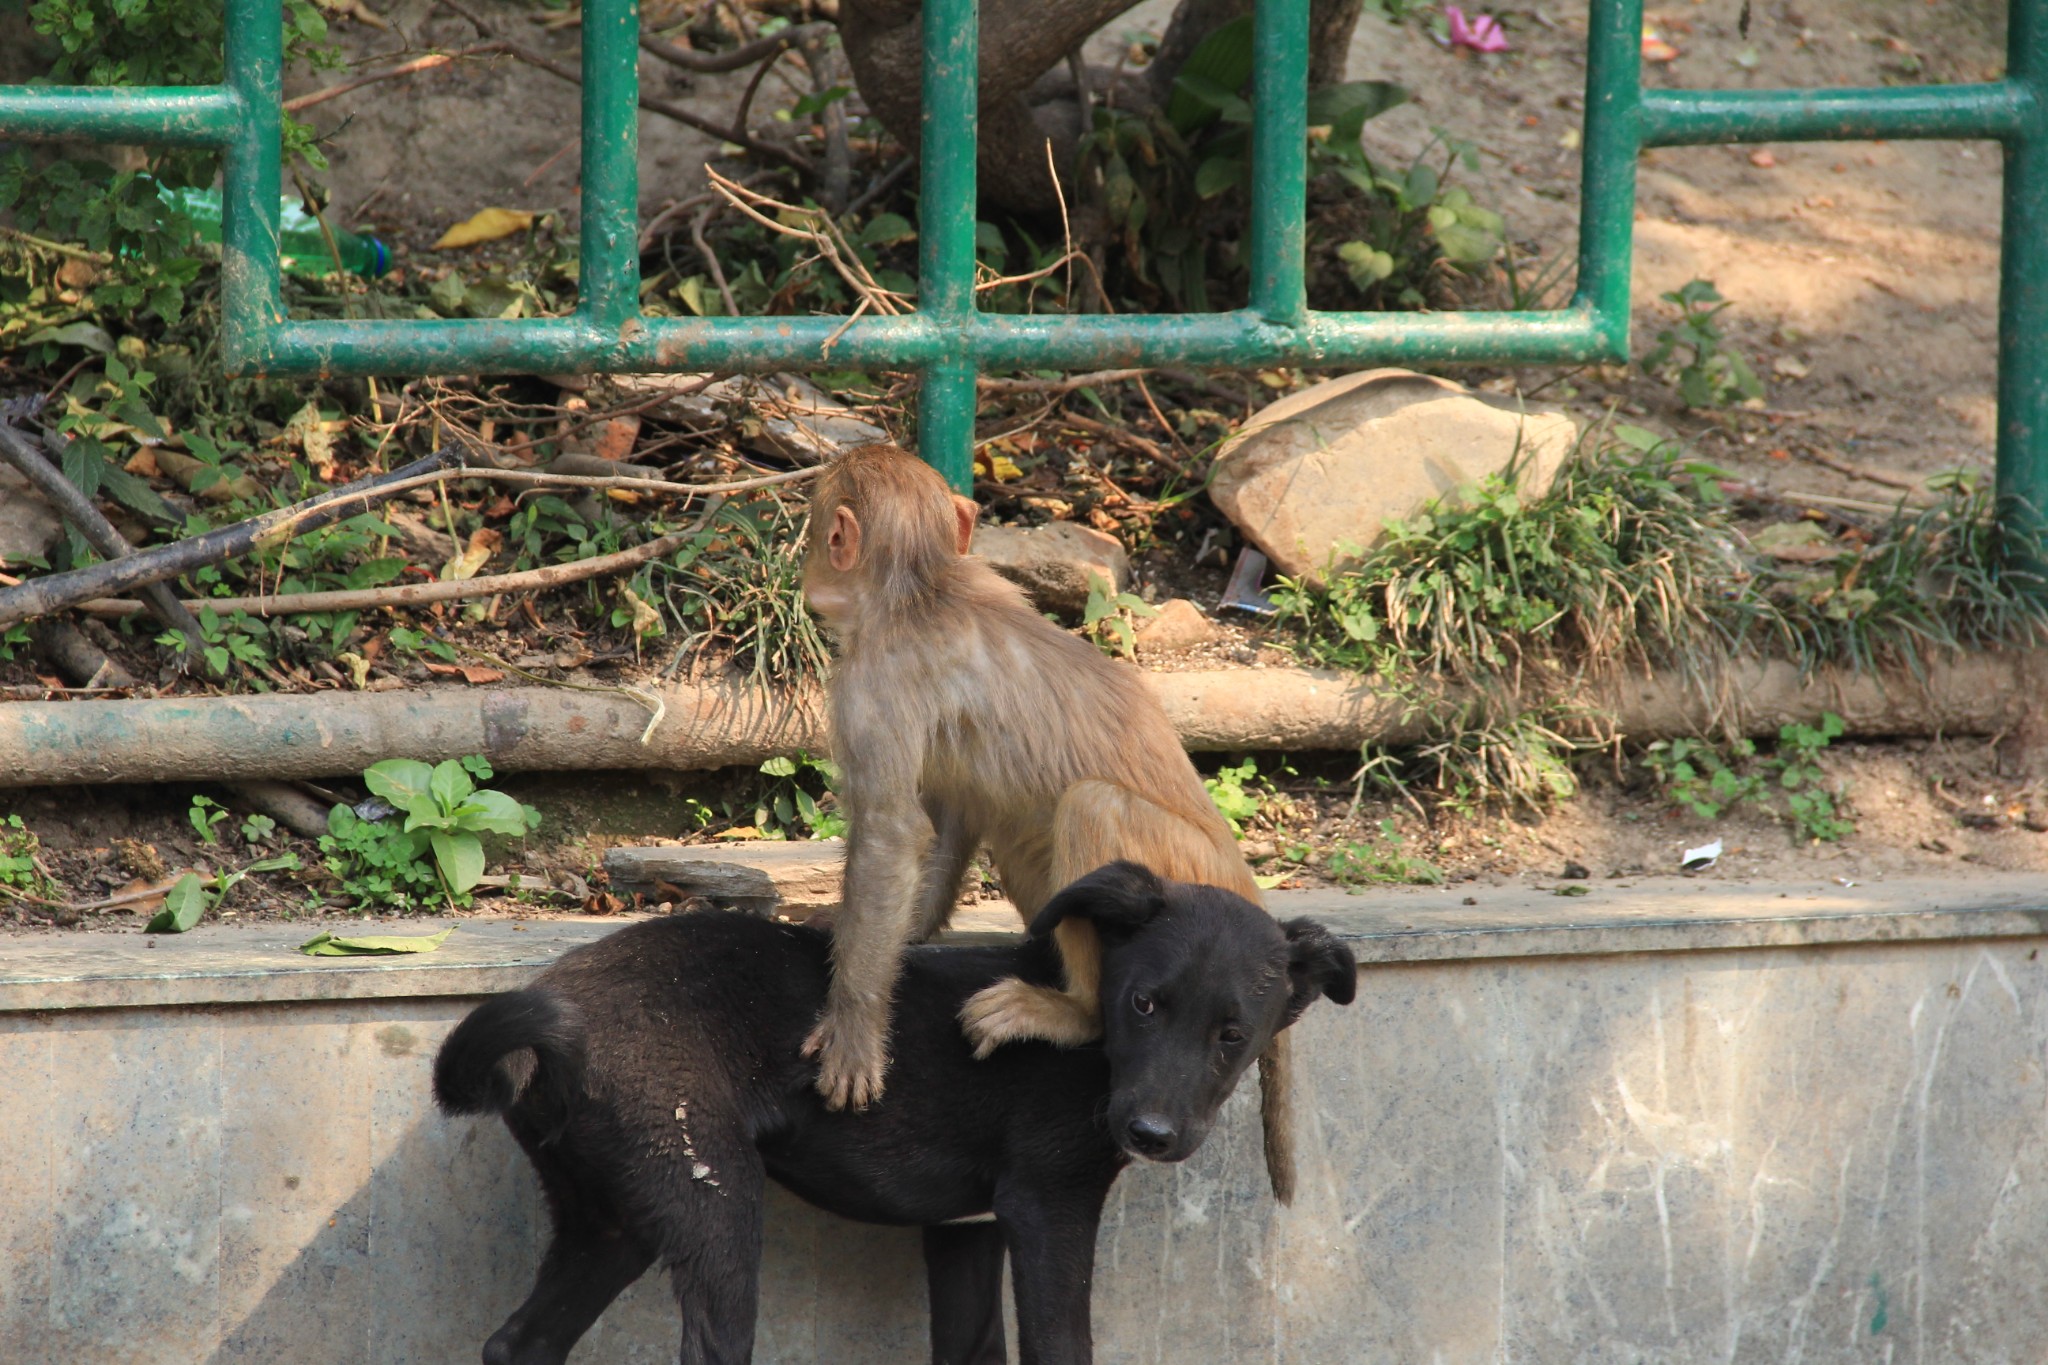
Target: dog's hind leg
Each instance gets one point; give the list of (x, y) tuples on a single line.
[(963, 1266), (585, 1268), (714, 1258)]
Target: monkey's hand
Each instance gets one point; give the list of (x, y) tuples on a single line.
[(851, 1060), (1011, 1010)]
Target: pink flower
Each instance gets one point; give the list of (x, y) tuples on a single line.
[(1481, 34)]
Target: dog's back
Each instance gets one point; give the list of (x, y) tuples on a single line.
[(670, 1052)]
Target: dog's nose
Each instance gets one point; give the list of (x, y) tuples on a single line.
[(1150, 1135)]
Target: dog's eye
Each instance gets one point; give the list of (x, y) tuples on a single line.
[(1142, 1003), (1231, 1036)]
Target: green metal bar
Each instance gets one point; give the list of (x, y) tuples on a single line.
[(608, 268), (2023, 283), (1672, 118), (251, 306), (168, 115), (1610, 146), (1279, 289), (945, 221)]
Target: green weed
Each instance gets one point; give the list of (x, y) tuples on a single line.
[(436, 848), (1788, 783), (203, 815), (789, 809), (1107, 618), (1712, 375), (1365, 863), (21, 865), (1233, 789)]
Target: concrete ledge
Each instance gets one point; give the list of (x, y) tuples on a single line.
[(1671, 1121), (254, 964)]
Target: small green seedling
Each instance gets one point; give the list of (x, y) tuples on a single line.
[(1363, 864), (1713, 376), (1231, 790), (204, 815), (787, 810), (1107, 618), (20, 866), (257, 829)]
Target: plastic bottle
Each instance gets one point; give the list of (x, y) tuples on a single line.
[(303, 244)]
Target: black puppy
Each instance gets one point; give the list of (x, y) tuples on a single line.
[(654, 1079)]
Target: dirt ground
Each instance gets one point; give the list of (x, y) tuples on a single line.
[(1864, 285)]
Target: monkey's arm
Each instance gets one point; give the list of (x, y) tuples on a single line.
[(887, 837), (945, 868)]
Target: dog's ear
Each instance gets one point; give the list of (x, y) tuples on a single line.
[(1121, 895), (1317, 964)]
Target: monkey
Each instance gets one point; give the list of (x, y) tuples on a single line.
[(961, 718)]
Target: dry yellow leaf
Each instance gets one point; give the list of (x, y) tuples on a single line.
[(487, 225)]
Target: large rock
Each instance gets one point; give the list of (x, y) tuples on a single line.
[(1053, 563), (1314, 478)]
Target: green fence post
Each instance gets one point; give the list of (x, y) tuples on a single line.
[(2023, 283), (608, 259), (251, 306), (945, 234), (1607, 193), (1279, 292)]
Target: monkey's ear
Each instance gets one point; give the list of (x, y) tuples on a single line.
[(1123, 895), (1318, 963), (842, 542), (965, 510)]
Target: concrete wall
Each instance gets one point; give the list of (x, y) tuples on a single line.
[(1683, 1125)]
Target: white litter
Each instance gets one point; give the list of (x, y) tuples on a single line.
[(1701, 858)]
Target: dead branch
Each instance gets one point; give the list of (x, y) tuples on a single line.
[(53, 592), (427, 63), (1129, 440), (1063, 385), (421, 594), (99, 533)]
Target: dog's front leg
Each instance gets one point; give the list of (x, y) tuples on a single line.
[(1051, 1236), (963, 1266)]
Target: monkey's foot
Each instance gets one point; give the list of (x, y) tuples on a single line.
[(851, 1060), (1012, 1010)]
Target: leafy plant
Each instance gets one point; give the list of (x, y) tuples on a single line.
[(1107, 617), (1788, 784), (21, 867), (257, 829), (203, 815), (1712, 375), (380, 862), (184, 904), (1232, 791), (789, 806), (1386, 863)]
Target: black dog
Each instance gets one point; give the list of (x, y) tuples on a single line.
[(654, 1079)]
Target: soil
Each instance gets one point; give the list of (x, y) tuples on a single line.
[(1864, 287)]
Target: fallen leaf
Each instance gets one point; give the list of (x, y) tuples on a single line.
[(1655, 49), (358, 667), (1762, 158), (646, 620), (142, 464), (324, 944), (483, 542), (469, 673), (615, 438), (1798, 542), (603, 903), (315, 436), (147, 904), (1788, 366), (487, 225)]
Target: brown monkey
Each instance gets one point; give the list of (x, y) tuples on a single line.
[(962, 718)]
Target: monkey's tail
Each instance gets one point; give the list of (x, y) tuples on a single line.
[(1276, 1115), (479, 1069)]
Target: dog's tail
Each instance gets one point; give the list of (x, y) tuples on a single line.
[(480, 1068)]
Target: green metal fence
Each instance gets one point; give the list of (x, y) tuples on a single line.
[(950, 341)]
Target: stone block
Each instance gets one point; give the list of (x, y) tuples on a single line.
[(1054, 562), (759, 876), (29, 526), (1314, 478)]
